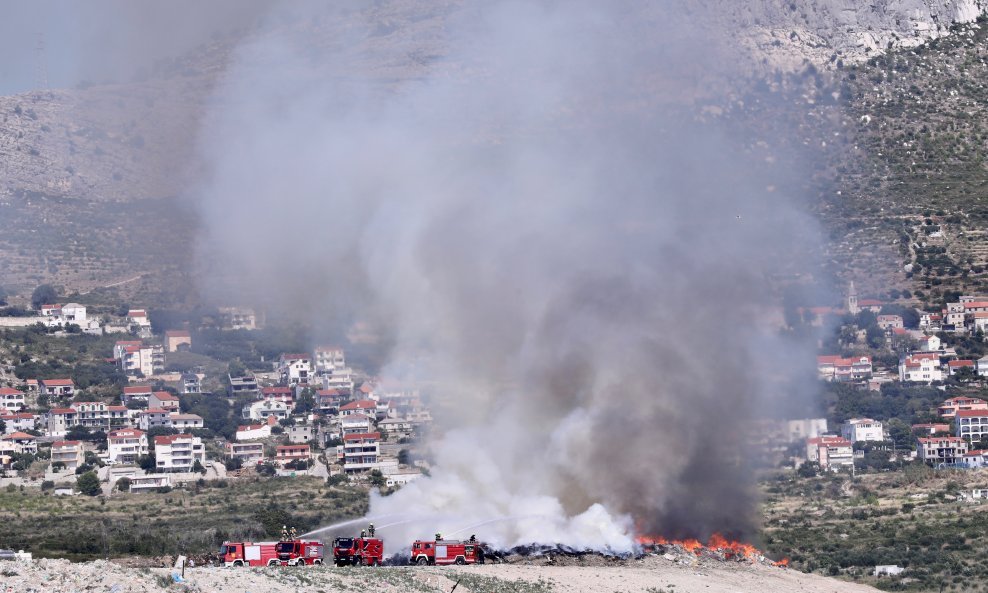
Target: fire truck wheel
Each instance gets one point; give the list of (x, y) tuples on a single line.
[(460, 560), (272, 562), (238, 563), (316, 562), (300, 563), (422, 561), (358, 561)]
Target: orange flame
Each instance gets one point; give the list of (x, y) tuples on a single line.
[(729, 549), (784, 563)]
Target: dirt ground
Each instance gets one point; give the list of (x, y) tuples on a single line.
[(652, 574)]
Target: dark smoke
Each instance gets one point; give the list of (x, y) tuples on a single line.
[(525, 200)]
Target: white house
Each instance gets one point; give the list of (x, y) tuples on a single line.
[(69, 453), (355, 424), (260, 410), (178, 453), (942, 450), (150, 482), (328, 359), (928, 343), (185, 422), (140, 359), (11, 399), (126, 445), (18, 421), (138, 318), (18, 442), (163, 400), (136, 393), (830, 451), (971, 425), (862, 429), (250, 432), (56, 387), (295, 368), (248, 453), (921, 367), (365, 406), (361, 452)]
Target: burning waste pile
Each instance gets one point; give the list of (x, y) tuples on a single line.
[(717, 548)]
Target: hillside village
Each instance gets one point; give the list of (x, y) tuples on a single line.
[(146, 426), (920, 376), (900, 385)]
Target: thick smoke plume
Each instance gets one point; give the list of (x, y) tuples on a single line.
[(581, 270)]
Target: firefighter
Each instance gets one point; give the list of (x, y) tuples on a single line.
[(293, 533), (370, 529), (363, 534), (473, 539), (439, 537), (284, 533)]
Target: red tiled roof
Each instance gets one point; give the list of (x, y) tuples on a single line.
[(825, 440), (165, 396), (137, 313), (247, 427), (292, 447), (960, 363), (365, 436), (19, 436), (60, 444), (962, 401), (125, 432), (274, 390), (57, 382), (62, 411), (363, 404), (8, 391), (18, 416), (935, 439), (870, 303), (295, 356), (178, 333), (169, 439), (137, 389), (972, 413)]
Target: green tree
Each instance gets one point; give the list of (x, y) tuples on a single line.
[(44, 295), (88, 484), (147, 462), (808, 469), (377, 479), (123, 484)]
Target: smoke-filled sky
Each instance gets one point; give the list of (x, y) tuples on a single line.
[(98, 41), (581, 269)]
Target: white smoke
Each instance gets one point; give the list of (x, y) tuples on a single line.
[(585, 270)]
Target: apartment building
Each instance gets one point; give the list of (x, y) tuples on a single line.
[(178, 453)]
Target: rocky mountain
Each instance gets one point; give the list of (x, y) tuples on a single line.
[(70, 158)]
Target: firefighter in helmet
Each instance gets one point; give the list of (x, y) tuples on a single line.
[(370, 529), (439, 536), (293, 533), (363, 534), (284, 533), (473, 539)]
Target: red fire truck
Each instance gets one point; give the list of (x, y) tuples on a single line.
[(299, 552), (248, 553), (445, 551), (358, 551)]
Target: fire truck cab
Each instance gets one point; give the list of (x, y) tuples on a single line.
[(358, 551), (248, 553), (444, 551), (298, 552)]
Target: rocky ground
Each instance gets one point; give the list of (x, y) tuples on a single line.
[(648, 574)]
